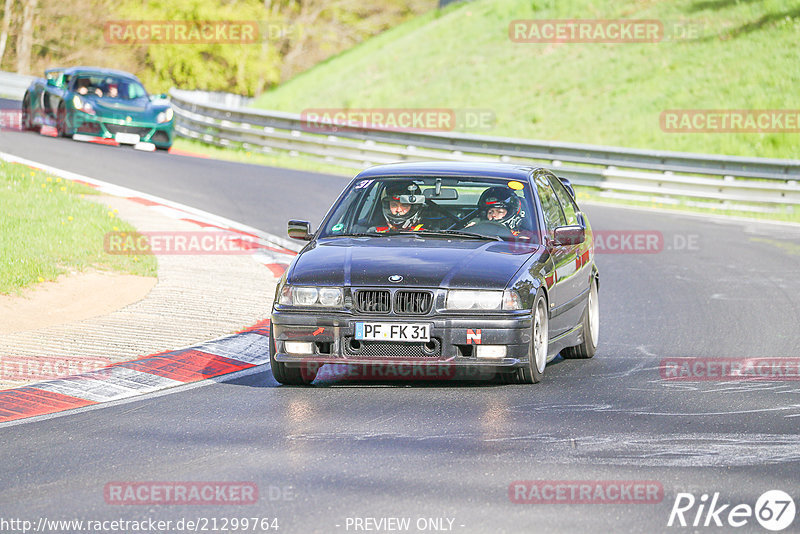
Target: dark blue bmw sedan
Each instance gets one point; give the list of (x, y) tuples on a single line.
[(457, 265)]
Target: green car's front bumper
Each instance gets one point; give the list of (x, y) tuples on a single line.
[(159, 134)]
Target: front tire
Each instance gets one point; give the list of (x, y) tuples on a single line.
[(591, 329), (540, 342), (289, 376), (61, 121)]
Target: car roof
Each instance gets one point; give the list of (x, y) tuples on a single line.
[(99, 70), (450, 168)]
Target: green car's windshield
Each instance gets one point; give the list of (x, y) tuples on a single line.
[(108, 87), (435, 207)]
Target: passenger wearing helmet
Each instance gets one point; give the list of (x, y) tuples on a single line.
[(500, 205), (401, 215)]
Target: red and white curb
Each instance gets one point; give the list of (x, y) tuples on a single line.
[(244, 350)]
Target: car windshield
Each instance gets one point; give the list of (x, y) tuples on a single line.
[(432, 206), (110, 87)]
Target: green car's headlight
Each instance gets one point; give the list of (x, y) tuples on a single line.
[(80, 105), (478, 300), (329, 297), (165, 116)]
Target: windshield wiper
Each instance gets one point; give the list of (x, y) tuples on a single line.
[(359, 234), (451, 233)]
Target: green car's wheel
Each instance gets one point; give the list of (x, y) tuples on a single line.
[(26, 119), (61, 120)]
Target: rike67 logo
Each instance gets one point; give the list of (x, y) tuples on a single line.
[(774, 510)]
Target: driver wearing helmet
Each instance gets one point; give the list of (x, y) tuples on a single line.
[(401, 215), (500, 205)]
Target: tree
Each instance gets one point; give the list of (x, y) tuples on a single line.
[(25, 37), (7, 14)]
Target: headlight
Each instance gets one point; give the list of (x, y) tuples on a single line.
[(462, 299), (80, 105), (329, 297), (165, 116)]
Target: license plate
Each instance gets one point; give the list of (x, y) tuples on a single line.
[(393, 331), (126, 138)]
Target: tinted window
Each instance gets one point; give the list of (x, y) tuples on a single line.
[(565, 199), (458, 206), (553, 215)]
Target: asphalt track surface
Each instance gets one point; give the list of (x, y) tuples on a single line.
[(350, 449)]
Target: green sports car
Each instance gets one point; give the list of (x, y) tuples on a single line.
[(92, 103)]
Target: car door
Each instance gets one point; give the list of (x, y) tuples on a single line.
[(560, 277), (579, 281)]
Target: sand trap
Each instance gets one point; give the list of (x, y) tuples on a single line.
[(71, 298)]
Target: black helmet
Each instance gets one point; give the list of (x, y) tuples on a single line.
[(393, 192), (501, 197)]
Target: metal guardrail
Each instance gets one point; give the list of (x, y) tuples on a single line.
[(755, 184), (13, 85), (221, 119)]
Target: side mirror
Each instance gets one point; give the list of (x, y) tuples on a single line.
[(52, 82), (569, 235), (300, 230)]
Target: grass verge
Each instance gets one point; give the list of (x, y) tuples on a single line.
[(48, 228), (714, 54)]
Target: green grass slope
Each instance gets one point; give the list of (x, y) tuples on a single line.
[(745, 55)]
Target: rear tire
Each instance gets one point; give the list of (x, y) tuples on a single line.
[(25, 120), (289, 376), (540, 341), (591, 329)]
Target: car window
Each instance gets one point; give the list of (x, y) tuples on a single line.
[(487, 206), (565, 199), (104, 86), (553, 215)]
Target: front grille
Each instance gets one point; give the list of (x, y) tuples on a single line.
[(413, 302), (89, 128), (389, 349), (122, 128), (372, 301)]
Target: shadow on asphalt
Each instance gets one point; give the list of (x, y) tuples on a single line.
[(341, 378)]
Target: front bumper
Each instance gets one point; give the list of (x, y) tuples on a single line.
[(456, 340), (160, 135)]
